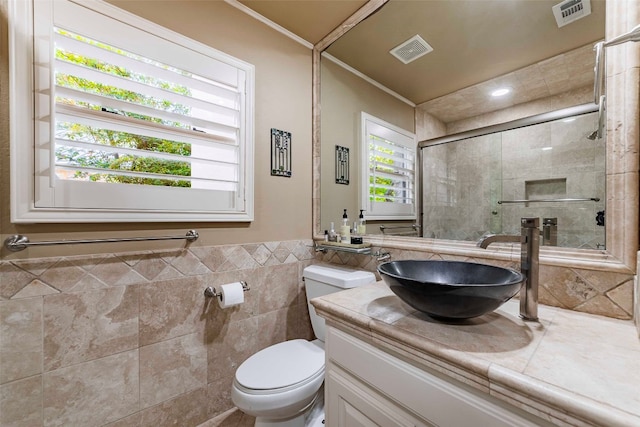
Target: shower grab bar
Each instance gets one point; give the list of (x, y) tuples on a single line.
[(409, 233), (386, 227), (20, 242), (592, 199)]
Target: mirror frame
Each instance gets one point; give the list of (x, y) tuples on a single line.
[(622, 163)]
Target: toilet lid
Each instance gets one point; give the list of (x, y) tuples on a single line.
[(281, 365)]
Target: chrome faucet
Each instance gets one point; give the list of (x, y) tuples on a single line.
[(529, 239)]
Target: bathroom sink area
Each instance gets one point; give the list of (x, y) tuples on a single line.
[(451, 289)]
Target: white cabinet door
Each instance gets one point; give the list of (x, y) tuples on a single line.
[(372, 387), (351, 403)]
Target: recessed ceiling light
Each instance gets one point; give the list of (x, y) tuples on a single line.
[(547, 148), (500, 92)]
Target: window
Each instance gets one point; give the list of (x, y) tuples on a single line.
[(388, 170), (132, 121)]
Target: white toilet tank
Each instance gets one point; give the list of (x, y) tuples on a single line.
[(323, 279)]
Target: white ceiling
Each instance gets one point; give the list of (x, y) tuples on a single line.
[(473, 40)]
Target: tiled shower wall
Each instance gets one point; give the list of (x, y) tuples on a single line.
[(130, 340), (465, 180)]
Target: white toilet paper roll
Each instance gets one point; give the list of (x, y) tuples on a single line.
[(231, 294)]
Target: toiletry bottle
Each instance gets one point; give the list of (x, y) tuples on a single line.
[(326, 235), (333, 237), (362, 225), (356, 238), (345, 231)]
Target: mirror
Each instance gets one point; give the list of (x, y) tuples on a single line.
[(485, 183), (444, 92)]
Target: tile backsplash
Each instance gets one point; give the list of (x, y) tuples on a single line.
[(590, 291), (129, 338)]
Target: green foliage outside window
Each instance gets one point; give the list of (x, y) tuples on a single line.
[(377, 193), (109, 159)]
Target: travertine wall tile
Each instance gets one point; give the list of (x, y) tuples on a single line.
[(602, 306), (84, 326), (170, 308), (92, 393), (548, 78), (35, 266), (20, 339), (231, 418), (172, 367), (13, 279), (219, 395), (273, 326), (64, 275), (109, 327), (149, 266), (279, 288), (602, 293), (230, 344), (116, 272), (21, 403), (188, 264), (189, 409), (636, 303), (34, 289)]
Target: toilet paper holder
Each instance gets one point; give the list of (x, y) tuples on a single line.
[(211, 292)]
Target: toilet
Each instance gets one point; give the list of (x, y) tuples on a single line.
[(281, 385)]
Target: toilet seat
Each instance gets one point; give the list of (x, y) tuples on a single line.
[(280, 367)]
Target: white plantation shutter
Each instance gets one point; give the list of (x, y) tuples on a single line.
[(388, 189), (204, 119), (146, 124)]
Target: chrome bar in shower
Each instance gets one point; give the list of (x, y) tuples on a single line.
[(592, 199), (394, 227)]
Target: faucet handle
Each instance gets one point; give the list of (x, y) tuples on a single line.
[(530, 222)]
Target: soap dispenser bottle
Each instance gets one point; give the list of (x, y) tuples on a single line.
[(333, 237), (362, 225), (345, 231)]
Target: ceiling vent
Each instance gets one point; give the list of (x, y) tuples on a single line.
[(571, 10), (411, 50)]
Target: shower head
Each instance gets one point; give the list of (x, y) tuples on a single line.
[(593, 135), (632, 36)]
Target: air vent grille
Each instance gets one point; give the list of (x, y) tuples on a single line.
[(571, 10), (411, 50)]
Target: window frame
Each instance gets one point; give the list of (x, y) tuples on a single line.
[(390, 132), (26, 158)]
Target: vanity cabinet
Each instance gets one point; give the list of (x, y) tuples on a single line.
[(366, 386)]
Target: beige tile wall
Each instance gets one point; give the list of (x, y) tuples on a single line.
[(129, 339), (590, 291)]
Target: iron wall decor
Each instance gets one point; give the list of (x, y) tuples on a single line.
[(342, 165), (280, 153)]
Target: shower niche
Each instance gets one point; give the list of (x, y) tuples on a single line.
[(485, 184), (545, 189)]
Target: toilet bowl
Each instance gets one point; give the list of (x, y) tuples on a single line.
[(281, 381), (280, 384)]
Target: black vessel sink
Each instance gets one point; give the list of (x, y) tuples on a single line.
[(451, 289)]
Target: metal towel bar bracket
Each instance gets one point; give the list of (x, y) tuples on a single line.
[(20, 242), (211, 292)]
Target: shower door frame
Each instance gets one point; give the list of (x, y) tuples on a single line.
[(486, 130)]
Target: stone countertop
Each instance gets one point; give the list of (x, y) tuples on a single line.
[(569, 368)]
